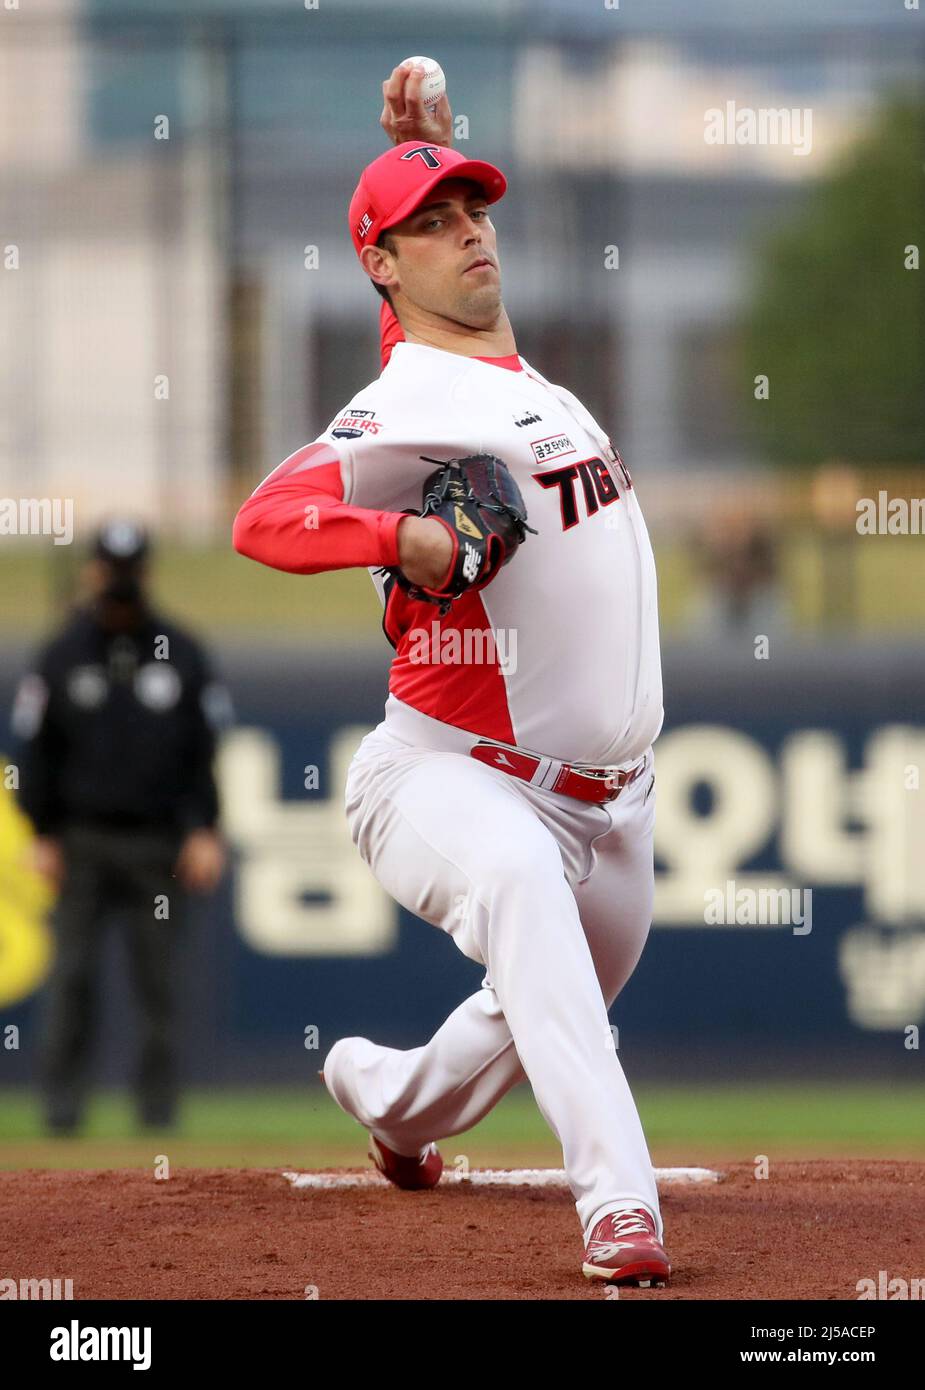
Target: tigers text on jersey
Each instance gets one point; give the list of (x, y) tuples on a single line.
[(559, 653)]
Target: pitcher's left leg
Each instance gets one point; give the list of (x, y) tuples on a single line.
[(523, 917), (615, 902), (450, 1083)]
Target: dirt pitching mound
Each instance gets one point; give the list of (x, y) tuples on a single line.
[(810, 1230)]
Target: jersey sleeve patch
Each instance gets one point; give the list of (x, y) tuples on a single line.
[(29, 707), (354, 424)]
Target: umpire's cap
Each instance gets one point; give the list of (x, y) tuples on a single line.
[(122, 542), (398, 181)]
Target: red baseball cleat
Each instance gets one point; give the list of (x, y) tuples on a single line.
[(623, 1248), (410, 1174)]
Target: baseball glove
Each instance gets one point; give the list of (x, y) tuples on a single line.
[(481, 506)]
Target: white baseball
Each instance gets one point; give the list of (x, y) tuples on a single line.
[(433, 83)]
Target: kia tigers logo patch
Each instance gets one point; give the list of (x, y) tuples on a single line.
[(355, 424)]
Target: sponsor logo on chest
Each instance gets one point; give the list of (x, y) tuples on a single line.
[(552, 447)]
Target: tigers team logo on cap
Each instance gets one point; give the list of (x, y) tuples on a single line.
[(398, 181)]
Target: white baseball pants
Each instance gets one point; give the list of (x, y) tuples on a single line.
[(554, 897)]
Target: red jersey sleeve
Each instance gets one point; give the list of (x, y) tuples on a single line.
[(390, 331), (297, 520)]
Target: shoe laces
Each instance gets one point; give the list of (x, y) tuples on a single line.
[(629, 1223)]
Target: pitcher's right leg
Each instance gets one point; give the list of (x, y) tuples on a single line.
[(411, 1096), (492, 876)]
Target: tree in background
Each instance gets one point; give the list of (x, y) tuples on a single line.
[(838, 321)]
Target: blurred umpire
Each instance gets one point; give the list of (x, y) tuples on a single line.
[(118, 723)]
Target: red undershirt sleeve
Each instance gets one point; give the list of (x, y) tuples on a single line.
[(297, 520)]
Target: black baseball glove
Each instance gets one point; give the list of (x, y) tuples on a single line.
[(481, 506)]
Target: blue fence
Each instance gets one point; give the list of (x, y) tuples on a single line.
[(774, 777)]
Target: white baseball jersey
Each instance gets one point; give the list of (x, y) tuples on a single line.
[(559, 655), (570, 663)]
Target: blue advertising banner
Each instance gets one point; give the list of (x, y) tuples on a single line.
[(789, 926)]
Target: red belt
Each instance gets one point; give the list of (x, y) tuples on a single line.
[(596, 784)]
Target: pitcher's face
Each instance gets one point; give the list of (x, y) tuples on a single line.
[(446, 257)]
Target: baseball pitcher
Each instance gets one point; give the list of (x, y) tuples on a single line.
[(507, 796)]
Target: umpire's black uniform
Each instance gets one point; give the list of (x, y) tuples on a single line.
[(118, 723)]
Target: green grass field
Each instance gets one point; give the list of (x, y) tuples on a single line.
[(218, 593), (289, 1127)]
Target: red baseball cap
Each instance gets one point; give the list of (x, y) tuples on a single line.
[(398, 181)]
